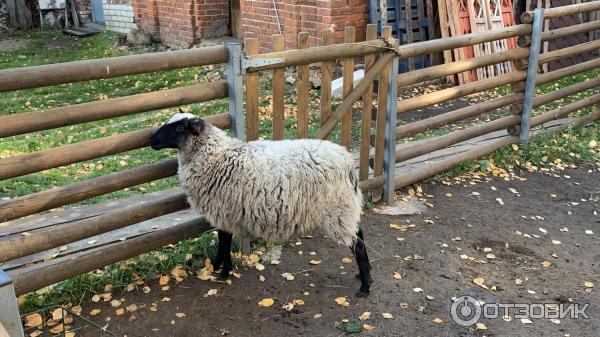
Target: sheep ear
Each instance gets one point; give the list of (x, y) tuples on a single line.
[(197, 126)]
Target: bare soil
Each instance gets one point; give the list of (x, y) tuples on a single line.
[(466, 219)]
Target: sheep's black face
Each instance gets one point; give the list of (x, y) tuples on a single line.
[(175, 131)]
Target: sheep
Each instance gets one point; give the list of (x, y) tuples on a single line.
[(267, 189)]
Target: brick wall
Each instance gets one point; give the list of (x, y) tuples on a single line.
[(118, 15), (260, 19), (183, 22)]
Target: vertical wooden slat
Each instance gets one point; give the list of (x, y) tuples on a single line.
[(383, 12), (346, 139), (278, 91), (381, 119), (236, 19), (365, 131), (303, 90), (443, 14), (454, 31), (251, 46), (409, 31), (326, 68), (433, 57), (546, 28)]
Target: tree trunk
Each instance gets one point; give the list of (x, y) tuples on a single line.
[(19, 14)]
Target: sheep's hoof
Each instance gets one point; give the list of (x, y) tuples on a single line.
[(362, 292)]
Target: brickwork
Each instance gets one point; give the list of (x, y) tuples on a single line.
[(118, 15), (262, 19)]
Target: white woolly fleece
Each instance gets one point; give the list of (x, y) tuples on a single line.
[(179, 116), (272, 189)]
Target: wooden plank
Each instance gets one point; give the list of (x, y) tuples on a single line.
[(278, 92), (38, 276), (383, 12), (365, 131), (64, 195), (71, 72), (326, 68), (16, 124), (454, 29), (303, 90), (381, 119), (72, 153), (346, 137), (433, 57), (236, 19), (251, 48), (546, 44), (444, 26), (409, 31)]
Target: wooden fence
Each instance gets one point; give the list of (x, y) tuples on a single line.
[(379, 153)]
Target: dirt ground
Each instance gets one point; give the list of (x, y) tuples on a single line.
[(544, 239)]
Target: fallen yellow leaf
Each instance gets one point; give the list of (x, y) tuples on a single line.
[(266, 302)]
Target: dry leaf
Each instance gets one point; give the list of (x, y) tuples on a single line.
[(212, 292), (180, 314), (387, 315), (266, 302), (33, 320), (480, 327), (146, 289), (315, 262), (346, 260), (58, 329), (132, 307), (365, 316), (526, 321), (418, 290), (96, 298), (259, 267), (120, 311), (588, 284), (95, 312), (368, 327), (438, 320), (57, 314), (76, 309), (546, 264), (36, 333), (397, 276), (342, 301), (317, 316), (288, 276), (164, 280), (556, 242), (115, 303)]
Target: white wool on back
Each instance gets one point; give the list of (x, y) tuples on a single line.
[(272, 189), (181, 115)]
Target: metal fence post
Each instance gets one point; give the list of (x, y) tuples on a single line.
[(389, 154), (235, 92), (532, 69), (10, 320)]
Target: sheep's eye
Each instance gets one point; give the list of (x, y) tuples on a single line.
[(180, 128)]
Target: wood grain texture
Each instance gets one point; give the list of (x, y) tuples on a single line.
[(251, 48), (346, 138), (278, 92), (381, 113), (366, 120), (326, 68), (303, 89)]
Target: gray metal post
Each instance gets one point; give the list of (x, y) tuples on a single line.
[(10, 320), (389, 154), (235, 91), (532, 69)]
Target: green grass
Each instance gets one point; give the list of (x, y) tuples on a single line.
[(571, 146)]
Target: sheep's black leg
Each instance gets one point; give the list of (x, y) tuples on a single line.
[(225, 240), (364, 267), (219, 258)]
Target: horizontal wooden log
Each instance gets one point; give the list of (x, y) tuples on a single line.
[(16, 124), (478, 152), (68, 194), (555, 12), (44, 274), (566, 91), (443, 165), (427, 74), (569, 51), (72, 231), (418, 148), (72, 153), (565, 110), (320, 54), (372, 183), (418, 102), (78, 71), (567, 71), (456, 115), (560, 33), (338, 51), (356, 93)]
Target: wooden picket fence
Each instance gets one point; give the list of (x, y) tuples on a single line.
[(379, 155)]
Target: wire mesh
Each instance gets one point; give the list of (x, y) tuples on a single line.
[(57, 321)]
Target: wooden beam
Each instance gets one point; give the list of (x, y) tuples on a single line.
[(236, 19), (555, 12), (15, 166), (303, 90), (16, 124), (44, 274), (346, 136), (68, 194), (72, 231), (366, 120), (381, 118), (251, 48), (278, 84), (326, 69), (78, 71)]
